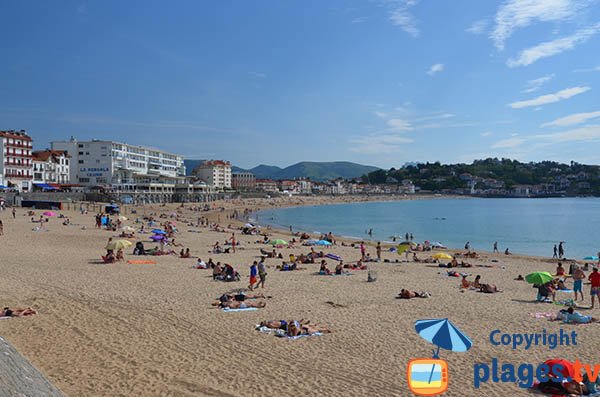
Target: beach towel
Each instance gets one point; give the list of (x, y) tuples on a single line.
[(543, 315), (241, 309), (281, 333), (4, 317), (141, 262), (569, 291), (334, 257)]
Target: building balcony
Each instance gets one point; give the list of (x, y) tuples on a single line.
[(20, 155), (20, 165), (20, 145), (17, 176)]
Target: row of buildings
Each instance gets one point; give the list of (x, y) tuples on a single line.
[(107, 165)]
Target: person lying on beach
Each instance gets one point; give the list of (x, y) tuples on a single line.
[(281, 324), (406, 294), (359, 265), (519, 278), (288, 267), (7, 312), (240, 297), (241, 305), (295, 329), (570, 316), (489, 289)]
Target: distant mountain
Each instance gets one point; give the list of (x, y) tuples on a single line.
[(265, 171), (316, 171)]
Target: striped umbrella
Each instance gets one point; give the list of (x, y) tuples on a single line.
[(442, 333)]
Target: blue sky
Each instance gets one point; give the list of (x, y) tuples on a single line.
[(379, 82)]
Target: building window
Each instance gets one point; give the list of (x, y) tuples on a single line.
[(84, 180), (80, 145), (80, 161)]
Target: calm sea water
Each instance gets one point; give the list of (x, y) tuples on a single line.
[(526, 226)]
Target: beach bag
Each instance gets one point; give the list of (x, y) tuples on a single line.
[(371, 276)]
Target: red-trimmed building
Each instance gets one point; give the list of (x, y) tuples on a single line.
[(51, 169), (16, 162)]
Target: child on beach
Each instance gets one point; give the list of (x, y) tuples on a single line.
[(253, 274)]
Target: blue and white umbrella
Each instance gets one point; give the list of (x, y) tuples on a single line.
[(158, 231), (442, 333)]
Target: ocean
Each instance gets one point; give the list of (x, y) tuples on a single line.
[(524, 226)]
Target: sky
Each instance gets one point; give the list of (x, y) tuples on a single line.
[(378, 82)]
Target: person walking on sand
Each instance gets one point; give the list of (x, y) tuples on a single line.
[(561, 250), (495, 247), (555, 255), (262, 273), (14, 212), (378, 251), (233, 241), (578, 276), (253, 274), (594, 278)]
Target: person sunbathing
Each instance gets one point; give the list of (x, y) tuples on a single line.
[(406, 294), (324, 270), (465, 284), (109, 257), (281, 324), (295, 329), (570, 316), (489, 289), (7, 312), (185, 254), (241, 305), (475, 283), (241, 297)]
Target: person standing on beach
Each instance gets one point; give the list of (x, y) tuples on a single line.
[(495, 247), (14, 212), (233, 241), (406, 236), (594, 278), (411, 237), (578, 276), (253, 274), (291, 229), (378, 251), (555, 255), (1, 228), (262, 273), (468, 245), (362, 250), (561, 250)]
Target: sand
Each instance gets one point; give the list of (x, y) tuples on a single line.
[(149, 330)]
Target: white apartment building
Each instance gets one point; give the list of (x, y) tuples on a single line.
[(16, 166), (216, 173), (121, 166), (51, 169)]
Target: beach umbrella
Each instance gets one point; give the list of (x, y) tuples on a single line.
[(49, 213), (437, 244), (565, 368), (539, 278), (248, 225), (279, 242), (128, 229), (323, 242), (403, 247), (442, 255), (442, 333), (158, 237), (158, 231), (590, 258), (118, 244), (122, 218)]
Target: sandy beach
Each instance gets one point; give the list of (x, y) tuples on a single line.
[(150, 330)]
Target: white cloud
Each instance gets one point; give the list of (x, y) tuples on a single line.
[(436, 68), (508, 143), (358, 20), (550, 48), (516, 14), (550, 98), (573, 119), (400, 15), (595, 69), (258, 75), (399, 125), (478, 27), (486, 133), (379, 144), (536, 84), (583, 134)]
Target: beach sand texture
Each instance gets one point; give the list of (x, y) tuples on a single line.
[(149, 330)]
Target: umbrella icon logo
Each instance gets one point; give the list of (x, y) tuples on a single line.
[(429, 376)]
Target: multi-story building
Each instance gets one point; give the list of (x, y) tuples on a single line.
[(16, 166), (51, 167), (243, 181), (120, 166), (215, 173), (267, 185)]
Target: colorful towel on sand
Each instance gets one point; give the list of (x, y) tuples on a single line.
[(141, 262), (241, 309), (281, 333), (548, 315)]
